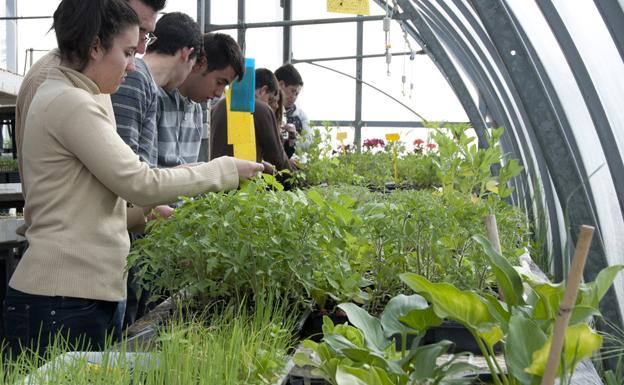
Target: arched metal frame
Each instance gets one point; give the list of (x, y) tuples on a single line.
[(481, 45)]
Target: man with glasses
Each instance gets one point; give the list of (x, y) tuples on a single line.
[(170, 55)]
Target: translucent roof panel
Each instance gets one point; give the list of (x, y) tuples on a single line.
[(601, 57)]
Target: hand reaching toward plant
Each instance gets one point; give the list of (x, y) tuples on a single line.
[(162, 211), (247, 169)]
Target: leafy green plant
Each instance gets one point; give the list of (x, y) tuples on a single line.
[(244, 244), (466, 168), (366, 353), (523, 326), (8, 164)]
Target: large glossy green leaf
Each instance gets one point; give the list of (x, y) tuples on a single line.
[(509, 280), (549, 297), (398, 307), (421, 319), (523, 339), (347, 375), (580, 343), (599, 287), (424, 360), (465, 307), (369, 325)]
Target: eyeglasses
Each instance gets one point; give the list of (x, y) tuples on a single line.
[(150, 38)]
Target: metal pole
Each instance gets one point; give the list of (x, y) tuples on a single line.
[(11, 36), (358, 85), (203, 14), (287, 32), (241, 24)]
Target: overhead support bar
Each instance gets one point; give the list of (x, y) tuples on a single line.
[(290, 23)]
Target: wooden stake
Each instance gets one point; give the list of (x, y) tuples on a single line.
[(492, 232), (491, 228), (565, 308)]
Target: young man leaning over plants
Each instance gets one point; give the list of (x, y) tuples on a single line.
[(180, 116), (171, 53)]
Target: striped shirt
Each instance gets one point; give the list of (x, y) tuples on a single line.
[(135, 104), (180, 125)]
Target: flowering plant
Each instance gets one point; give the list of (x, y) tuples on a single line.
[(373, 143)]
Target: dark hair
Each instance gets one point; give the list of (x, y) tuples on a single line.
[(176, 30), (264, 77), (220, 51), (77, 23), (156, 5), (289, 75)]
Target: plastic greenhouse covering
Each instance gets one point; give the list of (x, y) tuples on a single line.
[(551, 73)]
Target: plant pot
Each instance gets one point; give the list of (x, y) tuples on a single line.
[(456, 333), (296, 380), (312, 325), (409, 341), (9, 177)]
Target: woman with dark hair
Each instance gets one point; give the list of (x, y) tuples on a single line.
[(79, 178)]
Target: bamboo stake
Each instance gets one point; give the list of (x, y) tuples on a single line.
[(491, 228), (565, 308), (492, 231)]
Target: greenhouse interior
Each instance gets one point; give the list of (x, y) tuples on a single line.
[(289, 192)]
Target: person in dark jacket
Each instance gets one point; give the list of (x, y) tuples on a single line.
[(269, 147)]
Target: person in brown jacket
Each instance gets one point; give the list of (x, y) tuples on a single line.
[(269, 147)]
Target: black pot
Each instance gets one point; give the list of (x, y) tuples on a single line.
[(409, 341), (296, 380), (312, 325), (9, 177), (456, 333)]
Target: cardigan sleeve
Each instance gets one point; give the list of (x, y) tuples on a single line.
[(83, 130)]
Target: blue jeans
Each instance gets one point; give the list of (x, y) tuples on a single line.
[(33, 322)]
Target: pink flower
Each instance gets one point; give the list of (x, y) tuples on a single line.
[(431, 146), (372, 143), (418, 142)]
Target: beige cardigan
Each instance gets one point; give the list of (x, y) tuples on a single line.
[(36, 75), (78, 175)]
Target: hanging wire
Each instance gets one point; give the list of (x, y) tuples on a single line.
[(368, 84)]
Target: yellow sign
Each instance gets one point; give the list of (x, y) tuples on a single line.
[(245, 151), (241, 132), (341, 136), (358, 7), (393, 137)]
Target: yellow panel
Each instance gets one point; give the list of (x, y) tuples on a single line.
[(245, 151), (358, 7), (393, 137), (240, 125)]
